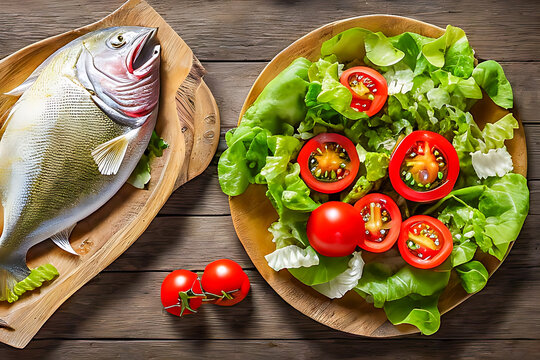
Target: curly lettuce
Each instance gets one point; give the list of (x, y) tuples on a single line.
[(34, 280)]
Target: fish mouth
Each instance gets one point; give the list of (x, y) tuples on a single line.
[(145, 54)]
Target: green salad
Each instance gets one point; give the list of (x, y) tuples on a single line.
[(384, 124)]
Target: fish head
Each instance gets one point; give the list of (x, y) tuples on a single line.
[(120, 68)]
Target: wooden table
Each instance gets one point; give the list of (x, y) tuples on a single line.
[(118, 314)]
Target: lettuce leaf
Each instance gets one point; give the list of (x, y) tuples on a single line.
[(280, 107), (327, 269), (409, 296), (378, 284), (473, 275), (333, 93), (292, 256), (34, 280), (496, 162), (490, 214), (490, 76), (347, 280), (420, 311), (380, 51), (141, 174)]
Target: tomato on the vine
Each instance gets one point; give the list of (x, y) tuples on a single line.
[(368, 88), (328, 163), (382, 220), (335, 229), (424, 167), (181, 292), (225, 282), (424, 242)]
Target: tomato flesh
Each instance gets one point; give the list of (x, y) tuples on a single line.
[(368, 88), (424, 242), (382, 222), (424, 167), (335, 229), (328, 163)]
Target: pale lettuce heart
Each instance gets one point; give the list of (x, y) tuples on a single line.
[(347, 280), (291, 257), (399, 79), (496, 162)]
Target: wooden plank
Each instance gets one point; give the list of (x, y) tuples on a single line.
[(280, 349), (107, 306), (249, 30)]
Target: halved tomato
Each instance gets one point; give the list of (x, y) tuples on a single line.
[(368, 88), (424, 242), (424, 167), (328, 163), (382, 221)]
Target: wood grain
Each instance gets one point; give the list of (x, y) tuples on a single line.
[(282, 349), (236, 39), (98, 311), (248, 30), (104, 235)]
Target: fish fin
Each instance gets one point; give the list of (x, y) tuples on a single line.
[(109, 155), (4, 324), (62, 240), (11, 272), (8, 118)]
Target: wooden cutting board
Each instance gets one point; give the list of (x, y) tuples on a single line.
[(252, 212), (189, 122)]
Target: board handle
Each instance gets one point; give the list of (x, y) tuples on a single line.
[(199, 116)]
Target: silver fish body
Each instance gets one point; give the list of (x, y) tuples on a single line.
[(73, 138)]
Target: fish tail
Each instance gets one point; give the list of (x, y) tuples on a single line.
[(10, 274), (4, 324)]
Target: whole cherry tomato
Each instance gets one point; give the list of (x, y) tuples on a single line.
[(335, 229), (181, 293), (225, 281)]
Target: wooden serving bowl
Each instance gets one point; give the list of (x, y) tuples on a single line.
[(252, 212), (188, 120)]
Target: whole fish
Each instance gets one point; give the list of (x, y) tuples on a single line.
[(73, 138)]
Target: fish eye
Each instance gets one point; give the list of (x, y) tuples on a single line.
[(117, 41)]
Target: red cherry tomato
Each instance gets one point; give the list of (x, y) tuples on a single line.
[(328, 163), (382, 220), (181, 284), (424, 167), (424, 242), (225, 281), (368, 88), (335, 229)]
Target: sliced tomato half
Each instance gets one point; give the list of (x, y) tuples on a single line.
[(424, 242), (382, 222), (328, 163), (368, 88), (424, 167)]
